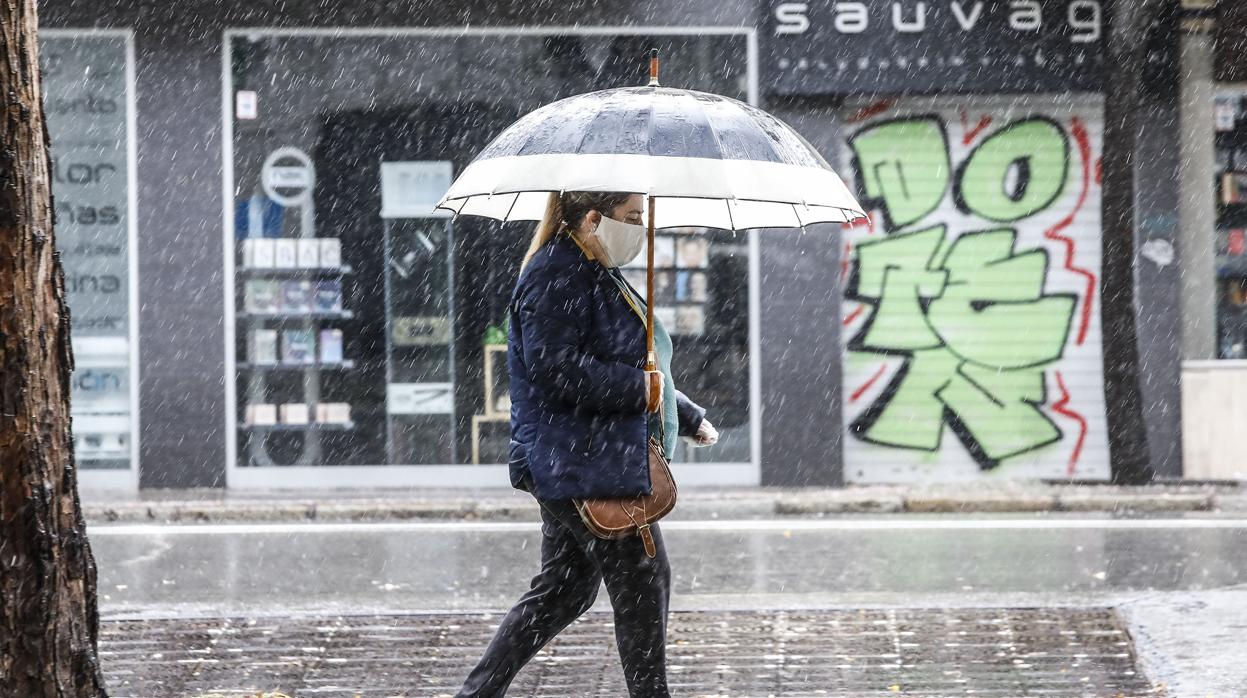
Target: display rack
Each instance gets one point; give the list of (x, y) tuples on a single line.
[(681, 279), (1230, 143), (283, 322), (492, 413)]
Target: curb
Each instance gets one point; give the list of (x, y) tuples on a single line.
[(697, 505), (1056, 500)]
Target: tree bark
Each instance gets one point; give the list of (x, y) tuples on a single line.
[(48, 615), (1130, 458)]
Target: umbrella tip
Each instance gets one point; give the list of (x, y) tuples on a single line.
[(653, 67)]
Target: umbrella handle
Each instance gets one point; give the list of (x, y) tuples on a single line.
[(650, 363)]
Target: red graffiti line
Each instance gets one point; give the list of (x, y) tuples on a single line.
[(969, 134), (1071, 247), (857, 394), (846, 260), (1060, 408), (872, 109), (848, 320)]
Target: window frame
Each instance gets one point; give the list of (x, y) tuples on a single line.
[(451, 475)]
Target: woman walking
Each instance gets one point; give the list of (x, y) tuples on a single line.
[(582, 407)]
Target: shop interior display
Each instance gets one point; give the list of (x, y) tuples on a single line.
[(291, 301), (1230, 114), (397, 313)]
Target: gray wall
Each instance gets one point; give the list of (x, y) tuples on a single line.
[(802, 430), (1159, 287)]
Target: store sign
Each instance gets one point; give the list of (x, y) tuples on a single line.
[(85, 100), (411, 189), (288, 176), (928, 45), (972, 344), (421, 398)]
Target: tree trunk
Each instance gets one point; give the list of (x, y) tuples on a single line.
[(48, 617), (1123, 395)]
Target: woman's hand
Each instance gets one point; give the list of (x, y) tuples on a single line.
[(706, 434), (654, 381)]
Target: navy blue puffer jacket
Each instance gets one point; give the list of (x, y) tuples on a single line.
[(576, 356)]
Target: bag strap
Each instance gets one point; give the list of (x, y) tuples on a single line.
[(633, 298)]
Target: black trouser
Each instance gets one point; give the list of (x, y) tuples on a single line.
[(574, 563)]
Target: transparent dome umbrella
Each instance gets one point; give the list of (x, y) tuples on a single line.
[(699, 159)]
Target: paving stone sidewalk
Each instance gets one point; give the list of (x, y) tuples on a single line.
[(496, 504), (1014, 652)]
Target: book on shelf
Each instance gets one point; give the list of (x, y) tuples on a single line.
[(331, 346), (690, 286), (1225, 112), (307, 253), (263, 347), (333, 413), (286, 253), (689, 320), (258, 253), (666, 316), (298, 347), (1233, 186), (1236, 242), (296, 295), (330, 256), (295, 413), (260, 415), (261, 296), (327, 297)]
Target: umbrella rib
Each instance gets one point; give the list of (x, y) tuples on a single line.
[(800, 220), (507, 218), (601, 105), (730, 219), (718, 144), (649, 139)]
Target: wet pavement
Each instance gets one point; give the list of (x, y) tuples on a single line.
[(306, 576), (716, 564), (980, 652)]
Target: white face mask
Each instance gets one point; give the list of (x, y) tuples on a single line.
[(621, 241)]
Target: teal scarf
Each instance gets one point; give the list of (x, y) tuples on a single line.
[(662, 349)]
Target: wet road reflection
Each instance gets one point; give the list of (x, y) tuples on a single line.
[(458, 566)]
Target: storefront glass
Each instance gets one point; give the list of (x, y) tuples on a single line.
[(86, 83), (1230, 148), (370, 331)]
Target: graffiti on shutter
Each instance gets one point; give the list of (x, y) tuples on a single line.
[(971, 308)]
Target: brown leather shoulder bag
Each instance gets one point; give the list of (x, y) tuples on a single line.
[(619, 517)]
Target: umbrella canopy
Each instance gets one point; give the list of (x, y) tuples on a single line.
[(707, 160), (700, 160)]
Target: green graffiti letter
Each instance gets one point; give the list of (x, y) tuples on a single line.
[(904, 166), (977, 331), (994, 312), (997, 411), (896, 274), (1017, 172)]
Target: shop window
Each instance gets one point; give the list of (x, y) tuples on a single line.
[(370, 330), (86, 101), (1230, 114)]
